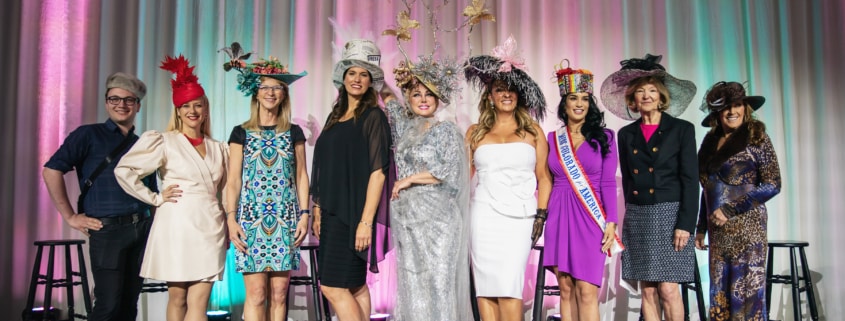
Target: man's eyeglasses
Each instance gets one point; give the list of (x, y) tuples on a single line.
[(129, 101), (273, 88)]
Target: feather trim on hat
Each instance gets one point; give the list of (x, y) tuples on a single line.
[(181, 68), (483, 70), (185, 86)]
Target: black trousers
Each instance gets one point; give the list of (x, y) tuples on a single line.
[(116, 253)]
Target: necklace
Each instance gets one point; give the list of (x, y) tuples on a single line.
[(194, 141)]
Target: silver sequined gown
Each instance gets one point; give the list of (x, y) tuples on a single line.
[(429, 222)]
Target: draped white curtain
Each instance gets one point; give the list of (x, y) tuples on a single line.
[(57, 54)]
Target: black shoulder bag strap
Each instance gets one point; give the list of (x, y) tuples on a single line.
[(88, 182)]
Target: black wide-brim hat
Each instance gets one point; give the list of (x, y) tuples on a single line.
[(482, 71), (724, 94), (613, 88)]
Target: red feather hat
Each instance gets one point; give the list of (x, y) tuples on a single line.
[(185, 86)]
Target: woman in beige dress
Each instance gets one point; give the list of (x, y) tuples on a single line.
[(187, 243)]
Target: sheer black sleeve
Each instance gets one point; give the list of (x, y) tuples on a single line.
[(376, 131)]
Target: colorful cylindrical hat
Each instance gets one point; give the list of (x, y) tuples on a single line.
[(573, 80)]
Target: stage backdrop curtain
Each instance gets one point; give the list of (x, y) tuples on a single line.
[(57, 54)]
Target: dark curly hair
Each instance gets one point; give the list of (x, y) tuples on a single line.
[(593, 128)]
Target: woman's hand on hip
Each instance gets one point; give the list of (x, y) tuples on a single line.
[(681, 239), (171, 193)]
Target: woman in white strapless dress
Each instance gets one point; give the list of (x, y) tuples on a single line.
[(502, 211), (509, 157)]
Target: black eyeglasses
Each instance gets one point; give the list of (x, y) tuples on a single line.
[(268, 88), (129, 101)]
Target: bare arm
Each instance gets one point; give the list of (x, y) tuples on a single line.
[(421, 178), (233, 194), (544, 183), (302, 191), (468, 143), (55, 181), (541, 170)]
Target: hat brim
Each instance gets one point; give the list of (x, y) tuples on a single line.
[(285, 78), (681, 92), (484, 70), (755, 102), (432, 88), (376, 73)]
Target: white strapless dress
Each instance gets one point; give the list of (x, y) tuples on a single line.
[(502, 215)]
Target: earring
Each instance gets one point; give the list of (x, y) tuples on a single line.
[(490, 103)]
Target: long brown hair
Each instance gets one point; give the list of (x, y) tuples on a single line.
[(487, 118), (341, 105), (283, 113)]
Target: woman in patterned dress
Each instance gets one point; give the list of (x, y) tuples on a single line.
[(658, 167), (267, 183), (739, 172)]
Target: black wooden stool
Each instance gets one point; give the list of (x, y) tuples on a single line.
[(153, 287), (312, 280), (695, 286), (793, 278), (540, 288), (50, 282)]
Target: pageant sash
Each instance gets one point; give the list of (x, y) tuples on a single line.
[(583, 188)]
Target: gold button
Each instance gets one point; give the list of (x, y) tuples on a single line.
[(636, 171), (651, 169), (636, 193), (651, 191), (635, 151), (654, 149)]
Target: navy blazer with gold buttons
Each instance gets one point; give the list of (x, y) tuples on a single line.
[(664, 169)]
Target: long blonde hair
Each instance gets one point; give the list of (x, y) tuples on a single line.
[(283, 114), (487, 118), (175, 122)]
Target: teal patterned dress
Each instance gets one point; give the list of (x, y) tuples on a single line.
[(268, 205)]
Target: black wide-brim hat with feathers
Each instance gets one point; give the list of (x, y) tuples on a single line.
[(613, 88), (724, 94), (483, 70)]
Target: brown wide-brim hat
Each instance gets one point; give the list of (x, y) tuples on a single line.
[(613, 88), (724, 94)]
